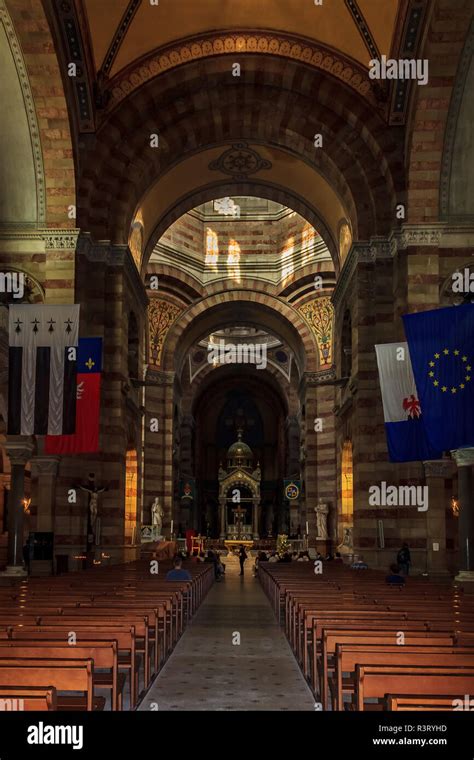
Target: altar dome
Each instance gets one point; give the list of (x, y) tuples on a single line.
[(240, 454)]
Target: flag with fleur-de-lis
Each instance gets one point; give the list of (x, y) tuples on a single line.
[(42, 371)]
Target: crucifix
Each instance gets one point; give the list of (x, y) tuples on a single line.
[(239, 514)]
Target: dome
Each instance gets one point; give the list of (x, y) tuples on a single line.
[(239, 454)]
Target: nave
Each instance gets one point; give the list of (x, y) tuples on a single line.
[(233, 656)]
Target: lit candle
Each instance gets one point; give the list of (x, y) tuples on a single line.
[(307, 529), (172, 528)]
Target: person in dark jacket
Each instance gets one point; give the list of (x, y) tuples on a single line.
[(404, 559), (242, 558)]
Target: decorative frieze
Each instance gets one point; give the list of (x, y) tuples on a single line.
[(439, 468)]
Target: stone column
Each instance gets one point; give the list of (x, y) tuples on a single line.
[(255, 519), (19, 450), (435, 473), (45, 470), (464, 459), (222, 507)]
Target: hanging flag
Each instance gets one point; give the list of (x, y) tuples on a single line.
[(187, 488), (42, 369), (86, 438), (406, 437), (291, 489), (441, 345)]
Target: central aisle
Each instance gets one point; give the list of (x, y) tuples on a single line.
[(208, 672)]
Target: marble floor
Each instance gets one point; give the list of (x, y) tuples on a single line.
[(232, 656)]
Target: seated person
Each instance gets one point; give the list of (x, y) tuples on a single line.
[(274, 557), (395, 579), (303, 557), (178, 573)]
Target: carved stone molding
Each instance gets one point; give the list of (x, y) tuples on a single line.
[(313, 379), (258, 43), (240, 161), (156, 377), (440, 235), (30, 110), (59, 240), (439, 468), (361, 252), (19, 448), (463, 457), (45, 465)]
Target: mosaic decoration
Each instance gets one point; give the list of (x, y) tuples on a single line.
[(161, 315), (320, 315), (136, 243), (240, 161)]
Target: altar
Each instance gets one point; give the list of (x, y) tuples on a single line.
[(239, 495), (231, 545)]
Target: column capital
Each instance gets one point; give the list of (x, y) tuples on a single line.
[(439, 468), (463, 457), (158, 377), (45, 465), (19, 448)]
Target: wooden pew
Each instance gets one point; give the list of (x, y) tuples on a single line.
[(65, 675), (376, 681), (28, 698), (102, 653)]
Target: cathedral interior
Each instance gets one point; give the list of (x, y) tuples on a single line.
[(241, 212)]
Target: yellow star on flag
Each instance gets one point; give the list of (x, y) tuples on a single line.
[(468, 367), (432, 364), (464, 358), (453, 390), (462, 385), (444, 389), (456, 352), (446, 351), (436, 356), (468, 377), (436, 383), (430, 374)]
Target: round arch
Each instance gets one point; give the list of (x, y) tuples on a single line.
[(250, 308)]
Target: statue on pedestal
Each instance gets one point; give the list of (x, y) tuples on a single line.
[(322, 511), (157, 515)]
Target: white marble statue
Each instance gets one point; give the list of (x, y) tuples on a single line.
[(322, 511), (157, 515)]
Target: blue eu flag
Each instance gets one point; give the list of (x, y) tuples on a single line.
[(441, 344)]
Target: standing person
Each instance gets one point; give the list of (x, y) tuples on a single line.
[(404, 559), (242, 558)]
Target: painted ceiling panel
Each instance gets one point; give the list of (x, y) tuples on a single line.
[(156, 25)]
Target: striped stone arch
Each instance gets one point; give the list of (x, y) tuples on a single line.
[(254, 308), (279, 103), (193, 391), (51, 139), (211, 374), (255, 188)]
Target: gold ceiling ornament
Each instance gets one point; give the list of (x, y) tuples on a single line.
[(161, 315), (286, 46), (319, 313)]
